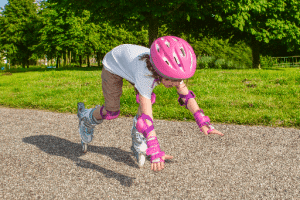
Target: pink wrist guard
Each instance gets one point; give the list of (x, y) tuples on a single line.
[(202, 120), (154, 150)]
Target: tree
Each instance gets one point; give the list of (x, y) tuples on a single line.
[(135, 14), (263, 25), (65, 29), (18, 30), (61, 31), (261, 22)]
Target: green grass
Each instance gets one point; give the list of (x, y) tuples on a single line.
[(269, 97)]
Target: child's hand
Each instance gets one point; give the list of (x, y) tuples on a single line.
[(206, 128), (159, 166)]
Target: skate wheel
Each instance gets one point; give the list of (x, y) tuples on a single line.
[(141, 160), (84, 147)]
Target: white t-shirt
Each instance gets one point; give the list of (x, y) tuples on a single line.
[(124, 61)]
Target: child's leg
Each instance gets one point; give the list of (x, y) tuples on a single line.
[(112, 92), (87, 124), (96, 113), (89, 118)]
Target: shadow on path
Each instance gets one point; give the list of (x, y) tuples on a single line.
[(61, 147)]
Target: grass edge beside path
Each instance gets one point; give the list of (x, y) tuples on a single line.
[(268, 97)]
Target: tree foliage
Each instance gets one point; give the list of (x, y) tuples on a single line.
[(64, 30), (92, 27), (261, 22), (134, 13), (18, 30)]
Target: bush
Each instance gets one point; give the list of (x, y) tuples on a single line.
[(220, 63), (221, 54), (267, 61), (205, 62), (230, 65)]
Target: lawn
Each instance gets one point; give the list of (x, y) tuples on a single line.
[(269, 97)]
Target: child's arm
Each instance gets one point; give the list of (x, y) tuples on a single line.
[(146, 108), (193, 107), (192, 104)]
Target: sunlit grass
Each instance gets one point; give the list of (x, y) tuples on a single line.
[(268, 97)]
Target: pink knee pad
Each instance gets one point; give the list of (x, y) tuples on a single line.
[(109, 115), (153, 98)]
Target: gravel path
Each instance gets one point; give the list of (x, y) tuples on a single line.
[(40, 158)]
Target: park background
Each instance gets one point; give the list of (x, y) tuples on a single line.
[(60, 45)]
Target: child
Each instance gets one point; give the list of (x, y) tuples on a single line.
[(169, 61)]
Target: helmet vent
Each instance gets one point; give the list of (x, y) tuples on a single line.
[(182, 51), (174, 39), (166, 60), (167, 43), (157, 47), (176, 58)]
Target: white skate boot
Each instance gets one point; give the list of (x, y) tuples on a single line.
[(139, 144), (87, 124)]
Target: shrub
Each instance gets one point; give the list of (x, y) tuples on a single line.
[(205, 62), (230, 65), (222, 54), (267, 61), (220, 63)]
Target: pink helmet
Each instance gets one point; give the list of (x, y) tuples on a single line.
[(173, 58)]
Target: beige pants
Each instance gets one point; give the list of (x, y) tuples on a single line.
[(112, 90)]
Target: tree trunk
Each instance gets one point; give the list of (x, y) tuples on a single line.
[(27, 62), (74, 57), (88, 61), (153, 28), (98, 58), (66, 58), (255, 53), (57, 61), (80, 61), (70, 58)]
